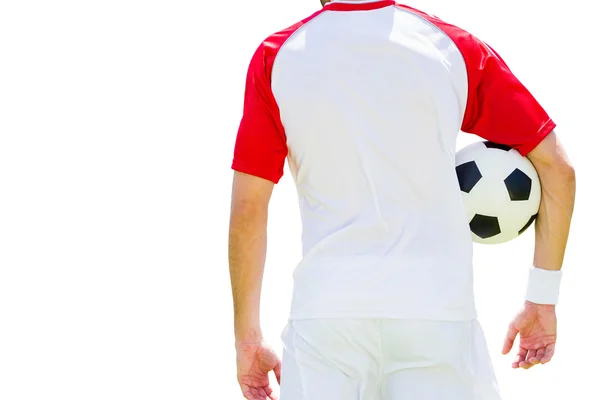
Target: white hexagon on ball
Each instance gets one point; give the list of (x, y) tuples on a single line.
[(501, 191)]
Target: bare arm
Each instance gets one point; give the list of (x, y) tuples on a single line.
[(557, 178), (247, 252), (536, 324)]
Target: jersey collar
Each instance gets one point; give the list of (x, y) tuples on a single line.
[(358, 5)]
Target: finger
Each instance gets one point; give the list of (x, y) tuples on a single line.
[(273, 396), (523, 362), (263, 393), (247, 396), (268, 393), (251, 393), (277, 371), (511, 335), (548, 354), (245, 391), (520, 357), (525, 365), (535, 356), (530, 354)]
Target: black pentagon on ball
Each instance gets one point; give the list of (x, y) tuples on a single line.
[(518, 185), (484, 226), (468, 175), (528, 224), (492, 145)]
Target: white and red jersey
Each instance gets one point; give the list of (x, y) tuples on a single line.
[(365, 100)]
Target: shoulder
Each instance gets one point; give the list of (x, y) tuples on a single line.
[(267, 50), (468, 44)]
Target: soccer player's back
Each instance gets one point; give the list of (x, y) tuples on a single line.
[(365, 100), (371, 103)]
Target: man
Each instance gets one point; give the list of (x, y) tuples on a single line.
[(365, 99)]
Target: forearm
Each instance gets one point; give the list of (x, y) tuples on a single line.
[(247, 251), (554, 217)]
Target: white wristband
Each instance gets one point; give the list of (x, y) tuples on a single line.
[(543, 286)]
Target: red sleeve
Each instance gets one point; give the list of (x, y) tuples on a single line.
[(260, 147), (499, 107)]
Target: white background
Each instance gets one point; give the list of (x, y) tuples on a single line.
[(117, 124)]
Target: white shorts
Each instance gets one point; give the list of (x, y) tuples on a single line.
[(378, 359)]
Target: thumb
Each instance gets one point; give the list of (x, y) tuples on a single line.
[(267, 360), (277, 371), (511, 335)]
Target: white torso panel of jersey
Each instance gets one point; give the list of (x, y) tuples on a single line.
[(372, 103)]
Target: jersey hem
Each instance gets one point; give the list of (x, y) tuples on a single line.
[(246, 169), (449, 317), (544, 131)]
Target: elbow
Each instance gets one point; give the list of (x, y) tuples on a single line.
[(553, 166), (569, 179), (565, 171), (569, 174), (558, 175)]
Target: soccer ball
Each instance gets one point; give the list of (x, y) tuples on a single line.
[(501, 191)]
